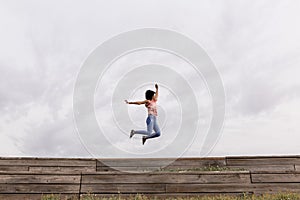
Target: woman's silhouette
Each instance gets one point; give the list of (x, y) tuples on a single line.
[(151, 121)]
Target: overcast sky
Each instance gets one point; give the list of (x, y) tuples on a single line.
[(255, 45)]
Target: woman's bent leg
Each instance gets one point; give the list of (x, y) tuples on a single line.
[(154, 135), (150, 123), (156, 130), (142, 132)]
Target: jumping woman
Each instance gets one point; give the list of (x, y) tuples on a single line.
[(151, 121)]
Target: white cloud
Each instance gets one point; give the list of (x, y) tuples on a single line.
[(254, 44)]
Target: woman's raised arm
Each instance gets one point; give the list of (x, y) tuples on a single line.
[(156, 92)]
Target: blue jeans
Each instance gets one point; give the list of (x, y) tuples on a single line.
[(151, 125)]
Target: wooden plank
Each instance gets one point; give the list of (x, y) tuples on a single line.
[(265, 156), (132, 162), (207, 188), (54, 169), (167, 178), (116, 188), (262, 188), (168, 172), (39, 178), (36, 196), (9, 168), (200, 162), (161, 195), (276, 178), (39, 188), (224, 188), (172, 167), (262, 168), (245, 161), (128, 169), (157, 162), (47, 162), (44, 173)]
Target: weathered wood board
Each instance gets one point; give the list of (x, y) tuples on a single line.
[(29, 178)]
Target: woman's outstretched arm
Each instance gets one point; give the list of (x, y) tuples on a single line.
[(136, 102)]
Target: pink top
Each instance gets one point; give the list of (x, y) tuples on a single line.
[(151, 106)]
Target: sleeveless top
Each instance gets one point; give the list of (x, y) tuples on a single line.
[(151, 106)]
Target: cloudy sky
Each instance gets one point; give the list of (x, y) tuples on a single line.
[(254, 44)]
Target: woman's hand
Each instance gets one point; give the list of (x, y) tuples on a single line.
[(156, 86)]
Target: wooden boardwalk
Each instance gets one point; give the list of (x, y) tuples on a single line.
[(29, 178)]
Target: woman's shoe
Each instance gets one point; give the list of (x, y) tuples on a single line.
[(144, 139), (131, 133)]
